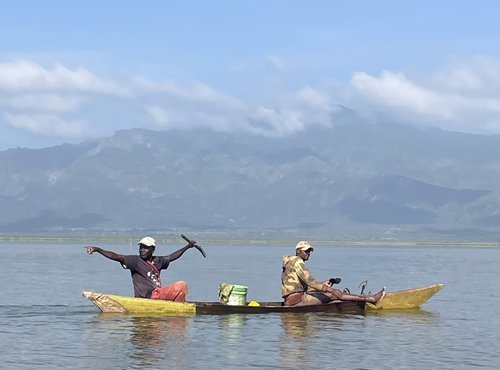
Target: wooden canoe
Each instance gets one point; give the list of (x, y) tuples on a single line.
[(403, 299), (114, 303)]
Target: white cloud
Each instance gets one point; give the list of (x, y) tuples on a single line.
[(194, 92), (56, 102), (31, 93), (295, 112), (180, 114), (46, 124), (314, 98), (190, 106), (479, 76), (277, 121), (158, 114), (395, 91), (69, 103), (465, 97), (460, 98), (23, 75)]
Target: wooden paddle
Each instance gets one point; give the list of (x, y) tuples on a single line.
[(193, 243)]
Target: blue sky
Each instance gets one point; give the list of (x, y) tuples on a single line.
[(72, 71)]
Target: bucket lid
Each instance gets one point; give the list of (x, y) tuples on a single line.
[(240, 288)]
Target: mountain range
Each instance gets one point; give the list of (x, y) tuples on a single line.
[(352, 180)]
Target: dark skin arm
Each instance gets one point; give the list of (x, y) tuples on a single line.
[(178, 253), (120, 258), (108, 254)]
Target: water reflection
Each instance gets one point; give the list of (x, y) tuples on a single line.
[(296, 325), (152, 340), (297, 328), (300, 331), (414, 314), (152, 336), (230, 334), (232, 325)]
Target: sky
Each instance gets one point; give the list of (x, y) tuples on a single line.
[(72, 71)]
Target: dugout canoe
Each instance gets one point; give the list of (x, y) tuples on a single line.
[(109, 303), (113, 303), (405, 299)]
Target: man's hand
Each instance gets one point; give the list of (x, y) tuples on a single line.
[(191, 243), (90, 249), (333, 281)]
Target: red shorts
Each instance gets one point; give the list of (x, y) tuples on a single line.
[(176, 292)]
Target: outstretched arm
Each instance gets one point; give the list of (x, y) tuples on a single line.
[(108, 254), (179, 252)]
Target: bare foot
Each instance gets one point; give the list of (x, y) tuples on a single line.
[(378, 296)]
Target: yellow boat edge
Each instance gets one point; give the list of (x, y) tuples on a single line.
[(405, 299), (109, 303)]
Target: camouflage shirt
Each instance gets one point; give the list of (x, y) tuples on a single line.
[(295, 278)]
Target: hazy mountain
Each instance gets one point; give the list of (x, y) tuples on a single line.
[(350, 181)]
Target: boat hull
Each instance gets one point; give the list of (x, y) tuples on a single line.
[(119, 304), (403, 299), (215, 308)]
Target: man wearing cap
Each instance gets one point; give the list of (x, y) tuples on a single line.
[(299, 288), (145, 270)]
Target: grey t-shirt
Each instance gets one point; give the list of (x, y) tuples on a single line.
[(145, 275)]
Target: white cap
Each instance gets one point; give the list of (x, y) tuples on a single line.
[(148, 241), (303, 246)]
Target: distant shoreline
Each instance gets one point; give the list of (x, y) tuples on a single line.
[(172, 239)]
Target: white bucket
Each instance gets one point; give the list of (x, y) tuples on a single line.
[(233, 295)]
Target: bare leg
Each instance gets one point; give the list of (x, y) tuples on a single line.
[(372, 298), (176, 292)]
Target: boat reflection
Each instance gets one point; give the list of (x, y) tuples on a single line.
[(296, 325), (138, 341), (151, 336), (298, 329), (416, 313), (232, 326), (404, 311)]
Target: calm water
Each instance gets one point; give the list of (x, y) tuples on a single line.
[(45, 323)]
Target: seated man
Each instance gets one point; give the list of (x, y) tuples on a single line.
[(145, 270), (298, 287)]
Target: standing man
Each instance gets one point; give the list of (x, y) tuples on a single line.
[(145, 270), (299, 288)]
